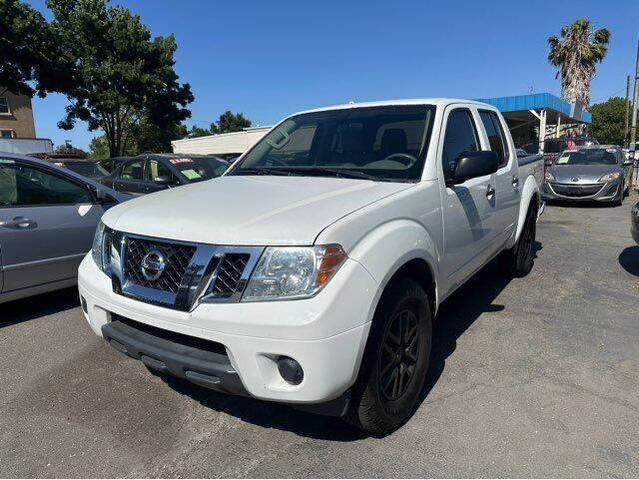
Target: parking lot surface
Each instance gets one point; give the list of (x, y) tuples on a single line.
[(530, 377)]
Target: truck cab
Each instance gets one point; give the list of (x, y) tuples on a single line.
[(310, 272)]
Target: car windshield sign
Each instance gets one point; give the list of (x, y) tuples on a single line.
[(588, 156), (200, 168), (372, 143)]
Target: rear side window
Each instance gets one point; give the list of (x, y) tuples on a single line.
[(132, 171), (23, 185), (461, 137), (157, 170), (496, 136)]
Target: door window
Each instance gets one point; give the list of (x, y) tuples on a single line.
[(496, 137), (23, 185), (461, 137), (155, 169), (132, 171)]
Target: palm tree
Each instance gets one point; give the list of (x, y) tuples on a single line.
[(576, 53)]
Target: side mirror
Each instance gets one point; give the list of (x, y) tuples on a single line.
[(473, 165), (100, 195)]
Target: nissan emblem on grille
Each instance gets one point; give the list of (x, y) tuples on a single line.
[(153, 265)]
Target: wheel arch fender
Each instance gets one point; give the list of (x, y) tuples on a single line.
[(405, 247), (529, 197)]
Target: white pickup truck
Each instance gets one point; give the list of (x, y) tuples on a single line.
[(310, 273)]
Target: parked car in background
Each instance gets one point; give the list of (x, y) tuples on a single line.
[(148, 173), (634, 222), (311, 271), (595, 173), (86, 168), (48, 218), (83, 166), (110, 164)]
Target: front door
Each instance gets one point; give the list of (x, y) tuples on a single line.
[(47, 223), (469, 207)]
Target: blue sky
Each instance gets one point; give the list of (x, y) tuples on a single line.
[(270, 59)]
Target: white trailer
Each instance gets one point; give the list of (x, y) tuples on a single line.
[(26, 146), (224, 144)]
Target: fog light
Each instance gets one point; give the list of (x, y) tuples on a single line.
[(83, 302), (290, 370)]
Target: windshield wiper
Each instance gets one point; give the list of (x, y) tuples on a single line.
[(260, 171), (333, 172)]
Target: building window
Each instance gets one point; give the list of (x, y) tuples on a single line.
[(4, 105), (6, 133)]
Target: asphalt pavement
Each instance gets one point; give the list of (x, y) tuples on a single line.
[(530, 377)]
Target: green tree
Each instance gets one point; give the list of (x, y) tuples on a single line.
[(608, 121), (576, 53), (99, 148), (68, 148), (230, 122), (32, 59), (121, 76), (199, 132), (151, 138)]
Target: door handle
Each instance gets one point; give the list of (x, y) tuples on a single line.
[(515, 181), (490, 192), (18, 222)]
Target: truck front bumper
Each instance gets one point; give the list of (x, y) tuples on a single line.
[(235, 348)]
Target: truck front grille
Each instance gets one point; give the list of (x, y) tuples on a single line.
[(179, 275), (229, 275), (176, 256)]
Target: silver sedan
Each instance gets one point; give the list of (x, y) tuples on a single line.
[(48, 216), (595, 173)]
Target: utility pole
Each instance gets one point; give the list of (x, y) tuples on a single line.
[(625, 130), (633, 130)]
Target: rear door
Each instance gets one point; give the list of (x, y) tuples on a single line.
[(47, 223), (507, 181), (468, 208), (130, 177)]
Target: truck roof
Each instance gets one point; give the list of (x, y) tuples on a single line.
[(398, 102)]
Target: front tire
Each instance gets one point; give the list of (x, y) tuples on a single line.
[(617, 202), (396, 360), (521, 257)]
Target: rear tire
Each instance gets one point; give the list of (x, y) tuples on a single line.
[(396, 360), (521, 257)]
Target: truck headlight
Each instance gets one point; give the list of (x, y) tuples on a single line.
[(99, 250), (285, 273), (610, 176)]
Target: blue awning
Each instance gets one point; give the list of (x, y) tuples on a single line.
[(537, 101)]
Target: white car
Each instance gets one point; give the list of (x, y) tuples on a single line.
[(310, 273)]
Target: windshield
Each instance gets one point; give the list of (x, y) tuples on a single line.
[(88, 169), (199, 168), (590, 156), (376, 143)]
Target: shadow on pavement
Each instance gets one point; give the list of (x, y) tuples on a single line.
[(629, 260), (37, 306), (455, 316)]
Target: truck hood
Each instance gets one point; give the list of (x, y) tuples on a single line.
[(585, 173), (248, 210)]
